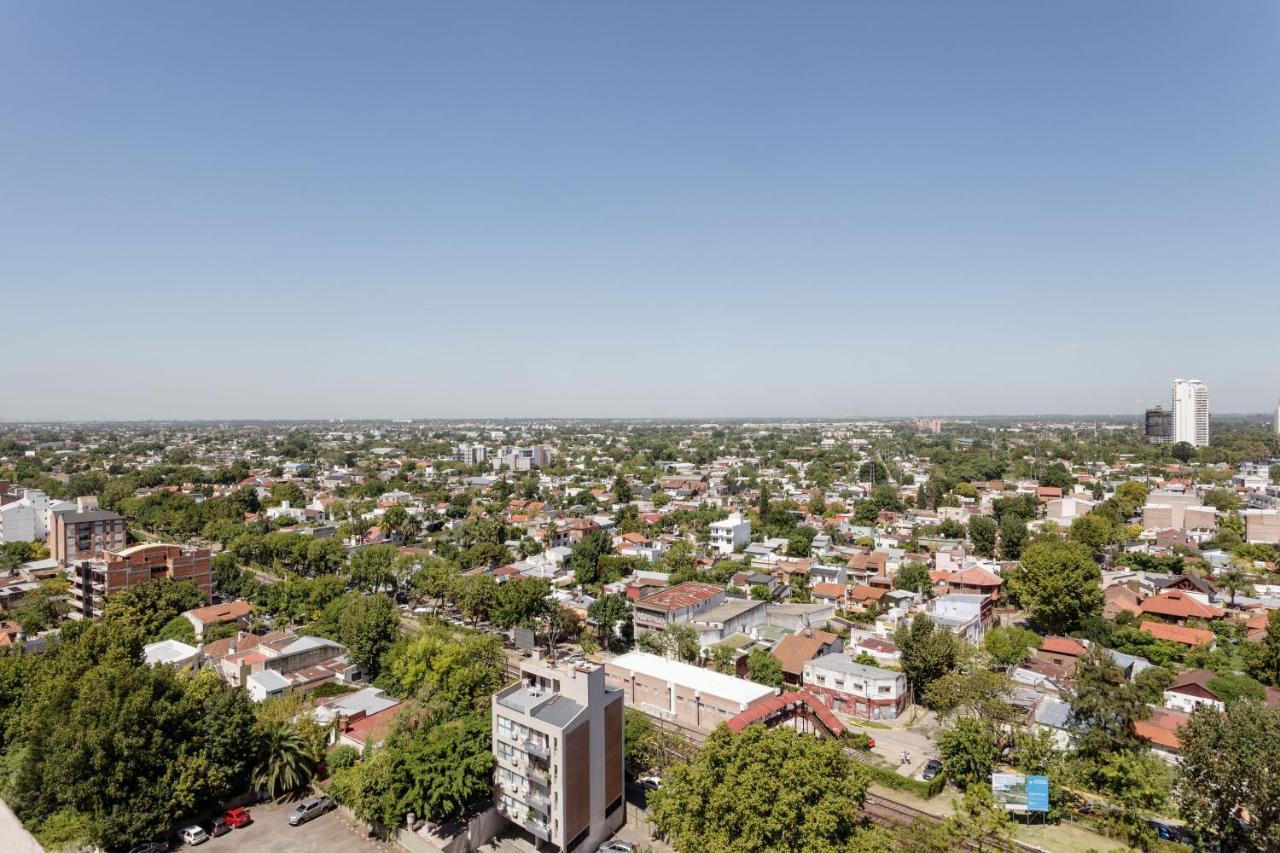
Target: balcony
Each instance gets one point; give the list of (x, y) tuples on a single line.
[(534, 774), (535, 748), (537, 827), (539, 801)]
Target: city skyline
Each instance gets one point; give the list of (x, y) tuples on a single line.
[(634, 212)]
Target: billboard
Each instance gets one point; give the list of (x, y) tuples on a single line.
[(1019, 793)]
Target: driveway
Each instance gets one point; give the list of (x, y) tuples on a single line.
[(270, 833)]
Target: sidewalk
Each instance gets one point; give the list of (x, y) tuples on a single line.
[(14, 837)]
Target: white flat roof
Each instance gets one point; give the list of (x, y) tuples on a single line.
[(696, 678)]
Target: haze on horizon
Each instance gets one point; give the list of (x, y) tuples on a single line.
[(222, 211)]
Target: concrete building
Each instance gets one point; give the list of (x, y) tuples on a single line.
[(689, 695), (84, 534), (966, 616), (558, 740), (172, 653), (94, 581), (1191, 412), (852, 688), (1277, 420), (470, 454), (730, 534), (26, 518), (1159, 425), (1262, 526)]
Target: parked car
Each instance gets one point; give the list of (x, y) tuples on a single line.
[(933, 768), (617, 845), (219, 826), (151, 847), (237, 818), (309, 808), (193, 835), (649, 783)]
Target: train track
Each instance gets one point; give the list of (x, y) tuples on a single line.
[(890, 813)]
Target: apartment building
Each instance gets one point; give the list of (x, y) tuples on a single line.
[(25, 517), (689, 695), (94, 581), (84, 534), (729, 534), (676, 604), (1262, 526), (1191, 412), (470, 454), (1159, 425), (852, 688), (558, 740)]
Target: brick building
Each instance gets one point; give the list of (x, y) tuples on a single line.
[(95, 580)]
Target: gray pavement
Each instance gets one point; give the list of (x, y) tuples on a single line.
[(270, 833)]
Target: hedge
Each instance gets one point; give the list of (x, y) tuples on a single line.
[(924, 790)]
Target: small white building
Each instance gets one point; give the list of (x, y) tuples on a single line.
[(729, 534), (171, 652), (267, 684)]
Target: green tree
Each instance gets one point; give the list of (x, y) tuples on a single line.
[(1262, 659), (522, 601), (371, 567), (1095, 531), (150, 606), (586, 554), (764, 668), (367, 625), (982, 533), (926, 652), (969, 751), (760, 592), (286, 765), (799, 589), (1231, 768), (762, 790), (1059, 584), (1013, 533), (914, 577), (443, 669), (978, 822), (612, 617), (1105, 705), (477, 596), (1009, 645)]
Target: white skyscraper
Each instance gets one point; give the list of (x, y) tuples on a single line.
[(1277, 418), (1191, 412)]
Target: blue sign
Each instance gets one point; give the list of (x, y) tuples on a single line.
[(1037, 793)]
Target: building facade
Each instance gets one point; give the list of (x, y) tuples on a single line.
[(694, 697), (558, 741), (852, 688), (729, 534), (94, 581), (1191, 412), (84, 534), (1159, 425)]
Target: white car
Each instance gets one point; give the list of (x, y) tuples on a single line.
[(193, 835), (616, 846), (649, 783)]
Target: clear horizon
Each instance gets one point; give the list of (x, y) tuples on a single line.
[(235, 211)]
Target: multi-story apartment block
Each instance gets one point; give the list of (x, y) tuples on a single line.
[(470, 454), (728, 534), (84, 534), (1262, 526), (1191, 412), (24, 515), (557, 737), (1159, 425), (94, 581)]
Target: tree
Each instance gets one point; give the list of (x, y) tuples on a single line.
[(1183, 451), (764, 668), (443, 669), (367, 625), (1235, 579), (586, 554), (914, 577), (150, 606), (762, 789), (979, 693), (1059, 584), (612, 617), (1009, 645), (435, 578), (798, 586), (977, 822), (371, 567), (1095, 531), (1262, 659), (723, 659), (1105, 705), (622, 490), (800, 540), (982, 533), (521, 601), (1231, 770), (477, 595), (760, 592), (286, 765), (926, 652), (1013, 533), (969, 751)]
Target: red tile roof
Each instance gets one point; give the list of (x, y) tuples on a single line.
[(1062, 646), (1177, 633), (774, 705), (217, 613), (1178, 604), (686, 594), (975, 576)]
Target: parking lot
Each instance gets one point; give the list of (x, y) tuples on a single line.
[(270, 833)]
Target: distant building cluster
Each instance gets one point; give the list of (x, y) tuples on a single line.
[(1187, 419)]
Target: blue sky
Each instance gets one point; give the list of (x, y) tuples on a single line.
[(316, 209)]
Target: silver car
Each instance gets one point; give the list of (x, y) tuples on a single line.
[(309, 808)]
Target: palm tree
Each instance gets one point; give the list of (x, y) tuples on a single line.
[(286, 765), (1235, 579)]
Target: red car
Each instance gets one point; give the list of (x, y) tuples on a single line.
[(238, 818)]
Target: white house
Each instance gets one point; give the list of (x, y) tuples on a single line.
[(730, 534), (170, 652), (266, 684)]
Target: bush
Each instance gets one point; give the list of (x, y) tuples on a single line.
[(341, 756), (924, 790)]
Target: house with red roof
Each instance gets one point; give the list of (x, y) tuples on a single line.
[(975, 581), (1178, 634), (1178, 606), (1060, 651)]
